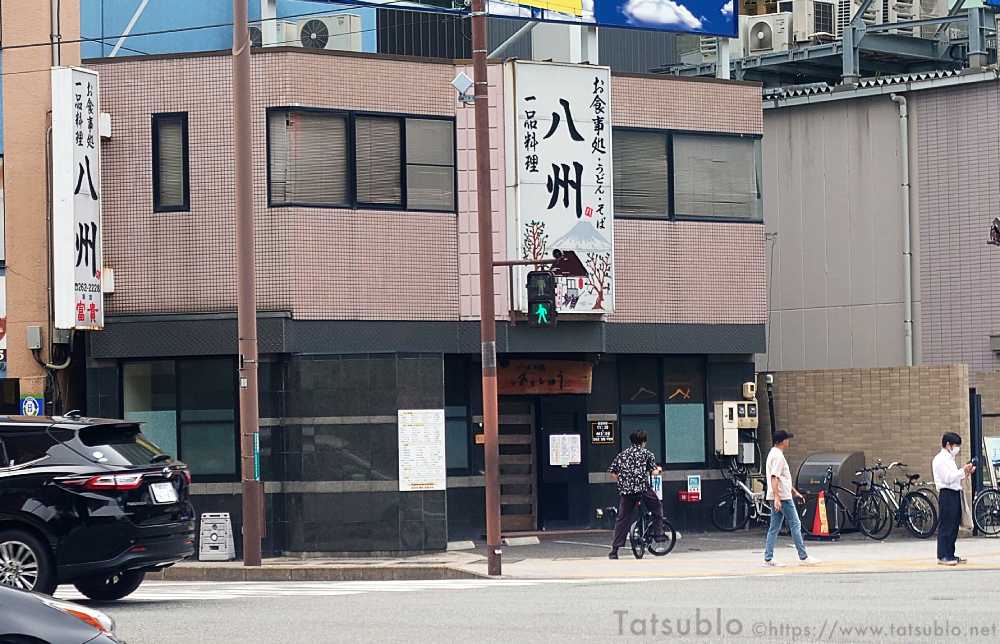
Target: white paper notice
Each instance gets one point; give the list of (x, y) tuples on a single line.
[(421, 450), (564, 449)]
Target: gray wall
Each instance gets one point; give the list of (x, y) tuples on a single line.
[(832, 196), (958, 161)]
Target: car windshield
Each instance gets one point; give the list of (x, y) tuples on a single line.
[(120, 445)]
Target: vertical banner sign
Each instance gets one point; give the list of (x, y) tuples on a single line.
[(560, 177), (76, 200)]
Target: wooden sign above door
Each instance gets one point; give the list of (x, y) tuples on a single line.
[(545, 377)]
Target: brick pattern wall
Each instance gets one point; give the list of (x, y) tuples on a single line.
[(687, 272), (896, 414), (370, 264), (958, 197)]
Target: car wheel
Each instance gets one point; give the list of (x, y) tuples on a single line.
[(25, 562), (110, 587)]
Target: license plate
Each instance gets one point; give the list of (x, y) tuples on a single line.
[(163, 492)]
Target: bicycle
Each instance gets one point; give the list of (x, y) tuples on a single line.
[(641, 539), (911, 508), (739, 504), (986, 511), (869, 511)]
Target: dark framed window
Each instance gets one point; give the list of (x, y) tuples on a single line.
[(641, 173), (171, 181), (684, 413), (716, 177), (687, 175), (329, 159), (187, 407)]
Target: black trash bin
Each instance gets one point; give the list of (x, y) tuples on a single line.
[(809, 481)]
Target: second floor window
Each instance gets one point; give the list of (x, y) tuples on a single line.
[(170, 162), (340, 160)]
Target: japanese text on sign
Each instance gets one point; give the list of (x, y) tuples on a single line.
[(560, 155), (76, 198), (421, 450)]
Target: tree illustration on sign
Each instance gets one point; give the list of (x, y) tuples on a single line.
[(599, 267), (534, 241)]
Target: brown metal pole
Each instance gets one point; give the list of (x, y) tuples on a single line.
[(246, 298), (487, 324)]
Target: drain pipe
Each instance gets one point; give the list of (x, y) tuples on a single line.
[(904, 145)]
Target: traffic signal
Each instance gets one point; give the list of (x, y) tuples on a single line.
[(542, 298)]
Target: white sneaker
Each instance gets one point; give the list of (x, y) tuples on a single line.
[(809, 561)]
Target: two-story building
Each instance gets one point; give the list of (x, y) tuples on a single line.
[(367, 289)]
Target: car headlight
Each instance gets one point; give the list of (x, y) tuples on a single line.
[(95, 618)]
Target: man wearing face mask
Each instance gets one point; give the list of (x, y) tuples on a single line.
[(948, 477)]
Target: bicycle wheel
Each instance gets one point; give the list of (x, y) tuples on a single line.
[(731, 512), (635, 539), (660, 548), (919, 515), (873, 515), (986, 512)]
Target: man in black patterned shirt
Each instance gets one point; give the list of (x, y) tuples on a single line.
[(631, 470)]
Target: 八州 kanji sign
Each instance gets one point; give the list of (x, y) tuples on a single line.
[(76, 200), (559, 156)]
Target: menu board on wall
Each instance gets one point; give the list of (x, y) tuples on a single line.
[(421, 450), (564, 449)]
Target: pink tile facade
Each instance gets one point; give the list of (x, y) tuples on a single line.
[(359, 264)]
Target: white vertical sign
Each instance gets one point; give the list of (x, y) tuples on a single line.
[(76, 200), (559, 165), (422, 463)]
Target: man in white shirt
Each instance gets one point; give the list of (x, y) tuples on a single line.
[(948, 478), (779, 493)]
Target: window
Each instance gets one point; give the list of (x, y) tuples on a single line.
[(674, 174), (170, 163), (640, 403), (456, 433), (716, 176), (307, 152), (684, 409), (327, 159), (640, 173), (22, 446), (188, 409)]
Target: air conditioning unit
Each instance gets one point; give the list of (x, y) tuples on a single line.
[(812, 19), (709, 46), (286, 34), (901, 11), (341, 32), (847, 8), (768, 33)]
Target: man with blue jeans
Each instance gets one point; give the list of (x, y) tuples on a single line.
[(779, 493)]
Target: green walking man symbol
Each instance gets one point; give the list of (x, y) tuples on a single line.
[(542, 314)]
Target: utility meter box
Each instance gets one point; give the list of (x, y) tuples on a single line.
[(731, 416)]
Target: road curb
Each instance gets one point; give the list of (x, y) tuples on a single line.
[(306, 574)]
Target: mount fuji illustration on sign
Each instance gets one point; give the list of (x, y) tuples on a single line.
[(583, 237)]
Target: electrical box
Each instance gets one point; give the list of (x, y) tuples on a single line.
[(731, 416), (750, 390), (34, 338)]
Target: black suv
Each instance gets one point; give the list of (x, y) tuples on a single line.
[(88, 502)]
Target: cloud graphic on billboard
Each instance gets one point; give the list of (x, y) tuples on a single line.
[(663, 12), (727, 9)]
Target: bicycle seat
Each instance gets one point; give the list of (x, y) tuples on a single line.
[(913, 477)]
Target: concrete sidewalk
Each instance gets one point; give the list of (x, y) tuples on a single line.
[(745, 559), (585, 557)]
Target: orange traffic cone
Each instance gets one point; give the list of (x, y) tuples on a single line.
[(821, 526)]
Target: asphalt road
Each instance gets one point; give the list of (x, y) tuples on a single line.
[(936, 606)]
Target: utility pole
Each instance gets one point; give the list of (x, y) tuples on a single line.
[(487, 321), (246, 297)]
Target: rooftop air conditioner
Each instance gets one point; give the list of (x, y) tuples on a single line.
[(901, 11), (813, 19), (709, 46), (286, 34), (341, 32), (768, 33), (847, 8)]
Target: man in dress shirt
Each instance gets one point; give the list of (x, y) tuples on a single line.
[(948, 478)]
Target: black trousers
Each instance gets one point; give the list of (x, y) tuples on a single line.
[(626, 514), (951, 516)]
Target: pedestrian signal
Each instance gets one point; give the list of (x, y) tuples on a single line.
[(542, 299)]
